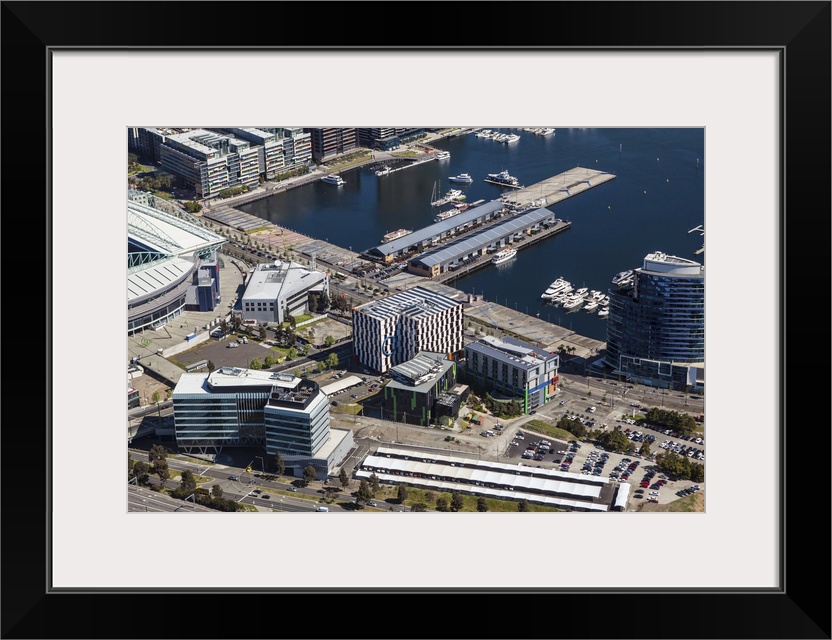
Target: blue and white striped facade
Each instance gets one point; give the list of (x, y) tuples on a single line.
[(393, 330), (656, 328)]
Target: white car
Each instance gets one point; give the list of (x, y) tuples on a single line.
[(518, 438)]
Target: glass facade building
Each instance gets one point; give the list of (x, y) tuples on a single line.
[(656, 325)]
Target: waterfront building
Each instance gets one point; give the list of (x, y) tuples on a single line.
[(235, 407), (423, 390), (393, 330), (210, 161), (331, 142), (515, 369), (278, 289), (171, 263), (656, 325)]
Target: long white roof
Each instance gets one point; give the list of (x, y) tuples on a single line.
[(166, 233)]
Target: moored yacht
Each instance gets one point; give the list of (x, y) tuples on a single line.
[(333, 178), (503, 256), (603, 313)]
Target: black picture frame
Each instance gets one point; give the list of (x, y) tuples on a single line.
[(800, 31)]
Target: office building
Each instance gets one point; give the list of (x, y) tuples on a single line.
[(394, 329), (514, 369), (656, 325), (422, 390), (234, 407), (278, 289)]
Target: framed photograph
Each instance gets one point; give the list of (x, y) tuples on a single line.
[(755, 76)]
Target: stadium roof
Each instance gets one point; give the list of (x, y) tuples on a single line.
[(483, 238), (167, 234)]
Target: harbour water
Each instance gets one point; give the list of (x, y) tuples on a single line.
[(658, 196)]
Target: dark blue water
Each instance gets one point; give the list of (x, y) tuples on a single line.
[(657, 197)]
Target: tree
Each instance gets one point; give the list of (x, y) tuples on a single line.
[(344, 478), (441, 504), (309, 474), (141, 471), (419, 506), (523, 505), (187, 483), (305, 349), (457, 503), (255, 364), (269, 361), (482, 504), (401, 494), (644, 450), (329, 341), (157, 453), (163, 471), (364, 493), (430, 496), (279, 463), (216, 491), (332, 360), (211, 366), (374, 483), (262, 333)]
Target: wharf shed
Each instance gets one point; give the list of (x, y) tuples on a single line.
[(429, 236), (493, 238)]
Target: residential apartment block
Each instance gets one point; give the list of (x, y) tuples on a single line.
[(394, 329), (515, 369), (656, 326)]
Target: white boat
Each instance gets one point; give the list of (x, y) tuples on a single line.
[(603, 313), (444, 215), (393, 235), (622, 278), (573, 302), (453, 195), (504, 179), (333, 179), (510, 137), (442, 155), (462, 178), (591, 306), (384, 171), (582, 291), (503, 256)]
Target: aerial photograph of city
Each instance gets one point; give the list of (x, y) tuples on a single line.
[(409, 319)]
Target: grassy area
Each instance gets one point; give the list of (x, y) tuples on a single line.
[(347, 409), (547, 429), (386, 499), (139, 168), (201, 463), (174, 474), (405, 154), (694, 503)]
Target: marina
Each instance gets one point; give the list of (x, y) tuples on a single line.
[(368, 207)]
